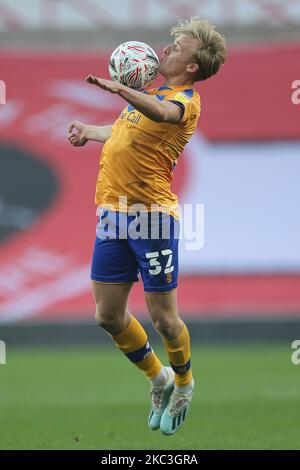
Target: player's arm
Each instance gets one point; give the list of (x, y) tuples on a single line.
[(159, 111), (80, 133)]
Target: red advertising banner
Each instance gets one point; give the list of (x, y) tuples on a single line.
[(47, 210)]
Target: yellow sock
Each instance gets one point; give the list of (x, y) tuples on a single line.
[(133, 342), (178, 350)]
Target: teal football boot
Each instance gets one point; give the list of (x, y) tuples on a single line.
[(160, 399)]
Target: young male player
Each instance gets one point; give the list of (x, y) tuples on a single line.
[(137, 160)]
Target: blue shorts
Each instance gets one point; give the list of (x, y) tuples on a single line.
[(145, 243)]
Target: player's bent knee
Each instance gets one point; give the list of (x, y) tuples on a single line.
[(102, 320), (164, 325), (114, 323)]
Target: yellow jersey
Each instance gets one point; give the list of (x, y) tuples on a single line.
[(138, 160)]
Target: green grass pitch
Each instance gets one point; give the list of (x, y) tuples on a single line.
[(93, 398)]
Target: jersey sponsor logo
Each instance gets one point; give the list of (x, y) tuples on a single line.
[(132, 116)]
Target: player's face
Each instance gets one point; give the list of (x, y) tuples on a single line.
[(177, 57)]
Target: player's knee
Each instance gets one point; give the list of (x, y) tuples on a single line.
[(102, 319), (112, 323), (164, 325)]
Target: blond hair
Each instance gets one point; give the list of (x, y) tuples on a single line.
[(211, 54)]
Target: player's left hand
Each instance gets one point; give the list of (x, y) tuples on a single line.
[(109, 85)]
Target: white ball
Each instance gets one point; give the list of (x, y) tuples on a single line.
[(134, 64)]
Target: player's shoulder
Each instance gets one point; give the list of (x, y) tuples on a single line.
[(186, 95), (189, 98)]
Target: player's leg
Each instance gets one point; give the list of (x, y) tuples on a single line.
[(126, 331), (158, 263), (164, 313), (111, 306), (163, 310), (114, 269)]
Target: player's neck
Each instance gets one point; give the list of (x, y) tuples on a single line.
[(178, 81)]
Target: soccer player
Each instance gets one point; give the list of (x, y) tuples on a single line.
[(140, 152)]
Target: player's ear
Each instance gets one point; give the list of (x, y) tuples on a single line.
[(192, 68)]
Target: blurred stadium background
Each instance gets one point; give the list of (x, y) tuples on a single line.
[(243, 163)]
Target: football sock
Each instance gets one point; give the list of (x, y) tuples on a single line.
[(178, 350), (187, 389), (160, 379), (133, 342)]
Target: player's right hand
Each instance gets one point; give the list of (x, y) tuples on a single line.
[(76, 134)]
